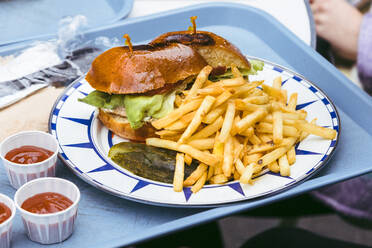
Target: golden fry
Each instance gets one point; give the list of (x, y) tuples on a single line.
[(285, 170), (196, 121), (251, 119), (249, 132), (277, 127), (251, 158), (210, 172), (218, 179), (292, 103), (288, 131), (222, 98), (227, 122), (274, 167), (214, 114), (257, 99), (239, 166), (179, 173), (323, 132), (228, 157), (254, 140), (203, 157), (277, 83), (195, 175), (200, 183), (202, 144), (247, 174), (209, 130), (305, 134), (280, 95), (199, 81), (167, 133), (182, 123), (218, 151), (242, 105), (275, 154), (188, 159), (291, 155), (176, 114), (262, 148), (210, 91)]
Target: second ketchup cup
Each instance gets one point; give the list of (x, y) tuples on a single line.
[(48, 228)]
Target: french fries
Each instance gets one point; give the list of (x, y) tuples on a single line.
[(250, 119), (209, 130), (176, 114), (234, 130)]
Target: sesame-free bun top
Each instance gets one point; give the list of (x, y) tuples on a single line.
[(149, 67), (216, 50)]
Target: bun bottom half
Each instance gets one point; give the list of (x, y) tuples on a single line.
[(120, 126)]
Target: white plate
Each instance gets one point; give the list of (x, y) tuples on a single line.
[(85, 142)]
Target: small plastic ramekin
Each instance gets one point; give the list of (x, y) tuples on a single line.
[(48, 228), (20, 174), (6, 226)]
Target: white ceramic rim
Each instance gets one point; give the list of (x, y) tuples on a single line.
[(13, 209), (76, 202), (55, 153)]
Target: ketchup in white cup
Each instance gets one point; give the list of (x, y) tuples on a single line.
[(29, 155), (46, 220), (7, 213)]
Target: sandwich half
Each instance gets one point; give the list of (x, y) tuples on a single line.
[(135, 87)]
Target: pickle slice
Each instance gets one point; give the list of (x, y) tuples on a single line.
[(147, 161)]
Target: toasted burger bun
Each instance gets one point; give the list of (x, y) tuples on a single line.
[(117, 71), (121, 127), (215, 50)]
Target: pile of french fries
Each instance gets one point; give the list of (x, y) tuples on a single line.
[(235, 129)]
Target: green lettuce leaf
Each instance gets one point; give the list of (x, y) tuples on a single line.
[(256, 65), (137, 107), (101, 99), (167, 107)]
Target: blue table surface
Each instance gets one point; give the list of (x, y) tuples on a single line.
[(107, 221)]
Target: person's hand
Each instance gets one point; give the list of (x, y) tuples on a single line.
[(338, 22)]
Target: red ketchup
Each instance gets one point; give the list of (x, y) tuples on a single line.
[(46, 203), (28, 155), (5, 212)]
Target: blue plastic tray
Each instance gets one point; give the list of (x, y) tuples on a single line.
[(25, 20), (107, 221)]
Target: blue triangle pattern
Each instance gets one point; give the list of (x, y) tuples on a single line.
[(85, 94), (85, 122), (140, 184), (187, 192), (81, 145), (285, 81), (304, 152), (237, 187), (102, 168), (303, 105)]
